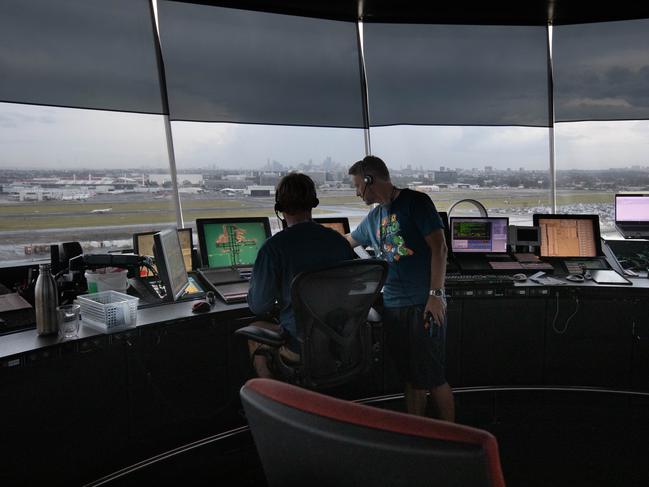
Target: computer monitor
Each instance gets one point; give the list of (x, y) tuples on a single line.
[(569, 235), (632, 208), (231, 242), (171, 265), (339, 224), (479, 235), (524, 236), (143, 245)]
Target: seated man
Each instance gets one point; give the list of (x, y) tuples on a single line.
[(304, 245)]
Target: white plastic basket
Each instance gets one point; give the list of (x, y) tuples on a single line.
[(108, 311)]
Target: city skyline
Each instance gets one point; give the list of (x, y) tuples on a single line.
[(39, 137)]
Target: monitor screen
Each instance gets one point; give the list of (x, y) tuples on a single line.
[(340, 224), (479, 235), (631, 208), (521, 236), (569, 235), (143, 245), (170, 262), (231, 242)]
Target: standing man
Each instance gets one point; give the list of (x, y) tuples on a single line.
[(406, 230), (303, 245)]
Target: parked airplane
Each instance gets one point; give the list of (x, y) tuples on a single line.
[(232, 191)]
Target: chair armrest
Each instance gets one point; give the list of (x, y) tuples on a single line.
[(373, 316), (261, 335)]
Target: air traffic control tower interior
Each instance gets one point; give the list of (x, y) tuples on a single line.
[(142, 144)]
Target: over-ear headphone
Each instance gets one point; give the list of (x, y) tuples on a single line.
[(367, 178), (295, 191)]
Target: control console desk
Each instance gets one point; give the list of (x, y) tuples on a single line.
[(175, 377)]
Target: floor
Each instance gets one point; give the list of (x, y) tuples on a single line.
[(551, 439)]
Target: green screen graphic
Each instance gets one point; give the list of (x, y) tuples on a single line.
[(233, 244)]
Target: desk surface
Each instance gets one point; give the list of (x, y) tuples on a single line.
[(28, 341)]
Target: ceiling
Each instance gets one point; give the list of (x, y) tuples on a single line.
[(501, 12)]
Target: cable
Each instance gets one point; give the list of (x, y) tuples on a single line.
[(556, 315)]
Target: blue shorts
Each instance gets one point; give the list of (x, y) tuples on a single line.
[(418, 353)]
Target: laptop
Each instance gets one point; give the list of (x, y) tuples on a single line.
[(229, 248), (477, 242), (632, 215)]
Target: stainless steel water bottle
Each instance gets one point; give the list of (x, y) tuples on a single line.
[(46, 299)]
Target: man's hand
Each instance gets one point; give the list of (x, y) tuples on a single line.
[(436, 306)]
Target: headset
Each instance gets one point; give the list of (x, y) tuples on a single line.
[(295, 189), (368, 179)]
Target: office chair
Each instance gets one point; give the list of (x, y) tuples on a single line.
[(331, 308), (306, 438)]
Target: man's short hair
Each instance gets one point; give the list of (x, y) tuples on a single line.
[(370, 166), (295, 192)]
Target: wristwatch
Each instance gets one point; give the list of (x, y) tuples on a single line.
[(438, 293)]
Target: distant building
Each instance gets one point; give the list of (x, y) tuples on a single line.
[(235, 177), (260, 191), (427, 188), (183, 179), (319, 177), (448, 177)]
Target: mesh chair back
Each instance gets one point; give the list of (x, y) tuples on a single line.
[(331, 307), (307, 438)]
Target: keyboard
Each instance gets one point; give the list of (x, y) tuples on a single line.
[(479, 279), (223, 276), (235, 292)]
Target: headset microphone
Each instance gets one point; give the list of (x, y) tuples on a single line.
[(279, 217), (278, 208)]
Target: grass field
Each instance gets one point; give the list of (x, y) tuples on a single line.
[(73, 214)]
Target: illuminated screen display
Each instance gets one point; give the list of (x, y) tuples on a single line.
[(340, 224), (171, 266), (568, 237), (143, 245), (335, 226), (632, 208), (231, 243), (479, 235)]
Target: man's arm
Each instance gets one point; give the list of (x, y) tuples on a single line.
[(437, 244), (351, 241)]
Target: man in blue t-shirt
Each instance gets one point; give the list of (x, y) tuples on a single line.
[(406, 230), (303, 245)]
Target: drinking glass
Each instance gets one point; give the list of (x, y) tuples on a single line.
[(68, 320)]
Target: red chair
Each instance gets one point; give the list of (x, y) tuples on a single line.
[(306, 438)]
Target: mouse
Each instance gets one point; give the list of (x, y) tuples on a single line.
[(201, 307), (575, 277), (519, 277)]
